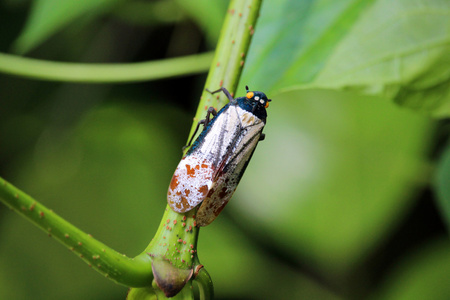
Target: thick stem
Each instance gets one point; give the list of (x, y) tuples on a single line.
[(169, 242), (205, 284), (231, 51), (175, 239)]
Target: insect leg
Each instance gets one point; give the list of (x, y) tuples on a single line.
[(204, 122), (262, 137), (211, 111), (225, 91)]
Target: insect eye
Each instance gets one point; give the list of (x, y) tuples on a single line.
[(267, 104), (250, 95)]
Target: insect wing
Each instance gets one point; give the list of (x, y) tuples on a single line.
[(241, 141), (194, 175), (190, 183)]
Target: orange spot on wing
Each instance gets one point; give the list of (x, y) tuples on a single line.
[(174, 182), (190, 171), (184, 204), (203, 189)]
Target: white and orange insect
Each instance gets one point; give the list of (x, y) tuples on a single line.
[(212, 168)]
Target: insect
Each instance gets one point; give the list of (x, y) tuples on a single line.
[(212, 168)]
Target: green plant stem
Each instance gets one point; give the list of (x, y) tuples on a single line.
[(205, 284), (231, 51), (169, 242), (175, 239), (104, 73), (112, 264)]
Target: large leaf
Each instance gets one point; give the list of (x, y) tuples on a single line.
[(394, 48), (400, 48)]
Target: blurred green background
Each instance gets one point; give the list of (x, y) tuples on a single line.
[(341, 201)]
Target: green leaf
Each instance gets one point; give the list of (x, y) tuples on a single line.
[(442, 185), (397, 49), (48, 17), (293, 39)]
